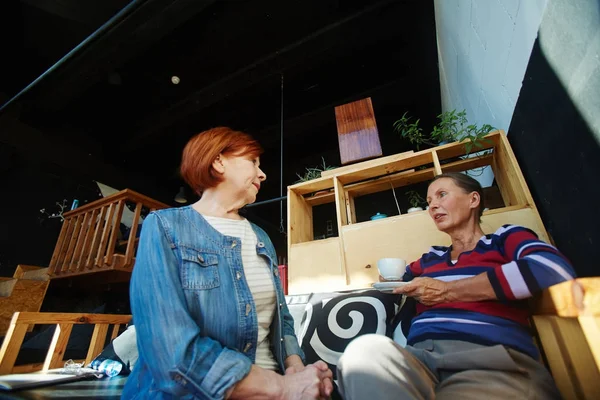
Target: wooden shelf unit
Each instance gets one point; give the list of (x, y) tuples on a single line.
[(349, 261)]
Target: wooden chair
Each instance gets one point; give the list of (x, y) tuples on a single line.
[(567, 320), (64, 324)]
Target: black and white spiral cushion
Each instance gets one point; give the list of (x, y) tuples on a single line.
[(332, 320)]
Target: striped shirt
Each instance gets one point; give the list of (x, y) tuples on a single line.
[(259, 282), (517, 264)]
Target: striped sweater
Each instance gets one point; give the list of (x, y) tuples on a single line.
[(517, 264)]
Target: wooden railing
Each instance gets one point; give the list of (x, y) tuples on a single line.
[(88, 241), (64, 325)]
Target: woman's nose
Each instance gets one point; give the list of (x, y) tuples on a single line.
[(261, 175)]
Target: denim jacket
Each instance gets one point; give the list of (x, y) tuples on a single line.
[(195, 318)]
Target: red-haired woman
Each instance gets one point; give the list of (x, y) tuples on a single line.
[(210, 313)]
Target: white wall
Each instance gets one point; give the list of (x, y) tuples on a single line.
[(483, 51)]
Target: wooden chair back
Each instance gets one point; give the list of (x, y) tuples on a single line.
[(64, 322)]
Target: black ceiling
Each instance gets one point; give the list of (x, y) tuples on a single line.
[(112, 96)]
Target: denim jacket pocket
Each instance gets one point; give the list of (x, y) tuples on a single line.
[(199, 270)]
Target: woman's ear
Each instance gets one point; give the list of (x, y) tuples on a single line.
[(218, 165), (475, 200)]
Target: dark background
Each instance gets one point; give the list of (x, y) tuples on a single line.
[(109, 112)]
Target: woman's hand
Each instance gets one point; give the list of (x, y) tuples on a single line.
[(427, 291), (313, 382)]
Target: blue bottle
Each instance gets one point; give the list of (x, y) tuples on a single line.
[(108, 367)]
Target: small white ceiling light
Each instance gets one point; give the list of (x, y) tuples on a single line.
[(175, 79)]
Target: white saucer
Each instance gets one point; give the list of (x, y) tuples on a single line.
[(388, 287)]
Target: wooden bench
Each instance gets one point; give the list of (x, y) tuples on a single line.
[(64, 322), (566, 318)]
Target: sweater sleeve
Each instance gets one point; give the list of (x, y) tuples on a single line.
[(531, 265), (412, 271)]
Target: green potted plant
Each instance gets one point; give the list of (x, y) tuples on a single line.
[(314, 173), (452, 126), (415, 200)]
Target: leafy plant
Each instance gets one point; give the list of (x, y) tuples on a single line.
[(314, 173), (414, 198), (452, 126), (411, 131)]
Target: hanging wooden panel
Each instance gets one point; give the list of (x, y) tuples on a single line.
[(358, 136)]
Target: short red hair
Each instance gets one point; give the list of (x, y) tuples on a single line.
[(204, 148)]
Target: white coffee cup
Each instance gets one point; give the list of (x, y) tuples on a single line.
[(391, 268)]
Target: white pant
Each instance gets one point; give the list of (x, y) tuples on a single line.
[(374, 367)]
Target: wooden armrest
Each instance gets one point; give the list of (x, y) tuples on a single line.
[(64, 324), (567, 320), (574, 298)]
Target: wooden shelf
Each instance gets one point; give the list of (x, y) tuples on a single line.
[(468, 163), (351, 256)]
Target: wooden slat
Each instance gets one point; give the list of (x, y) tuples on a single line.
[(574, 298), (97, 342), (59, 244), (375, 185), (66, 263), (115, 228), (590, 325), (340, 204), (468, 163), (342, 220), (436, 163), (74, 262), (56, 352), (322, 198), (402, 164), (500, 180), (569, 357), (115, 331), (64, 245), (11, 346), (552, 343), (132, 236), (399, 179), (49, 318), (87, 242), (105, 235), (364, 164), (300, 228), (516, 175), (96, 238), (126, 194), (457, 149), (350, 208), (312, 186)]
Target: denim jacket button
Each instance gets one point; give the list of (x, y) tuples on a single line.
[(200, 258), (280, 305), (276, 272), (233, 244), (238, 275), (281, 340), (261, 244), (247, 347), (248, 309)]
